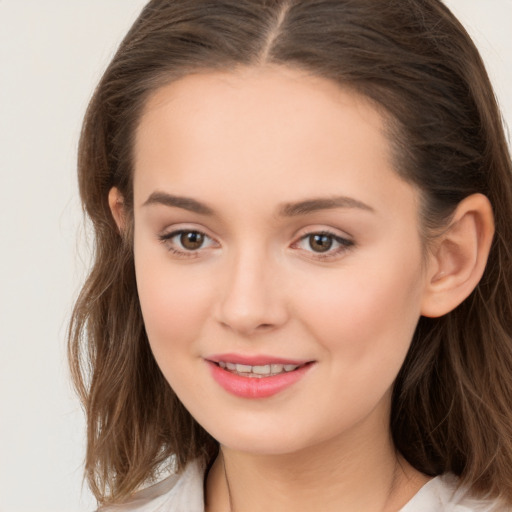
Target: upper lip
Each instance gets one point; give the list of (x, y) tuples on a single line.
[(255, 360)]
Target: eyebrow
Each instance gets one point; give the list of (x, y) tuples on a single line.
[(285, 210), (186, 203), (329, 203)]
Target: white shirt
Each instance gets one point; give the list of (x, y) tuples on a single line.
[(184, 493)]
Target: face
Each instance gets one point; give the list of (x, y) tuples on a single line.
[(272, 232)]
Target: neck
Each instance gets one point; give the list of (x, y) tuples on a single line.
[(352, 472)]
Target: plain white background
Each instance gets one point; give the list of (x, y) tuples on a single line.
[(52, 53)]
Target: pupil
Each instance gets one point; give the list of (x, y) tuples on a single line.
[(320, 243), (191, 240)]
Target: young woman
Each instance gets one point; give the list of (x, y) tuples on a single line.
[(301, 295)]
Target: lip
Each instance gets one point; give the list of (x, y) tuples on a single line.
[(254, 360), (257, 387)]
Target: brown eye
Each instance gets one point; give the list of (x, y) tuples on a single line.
[(191, 240), (323, 245), (320, 243), (187, 243)]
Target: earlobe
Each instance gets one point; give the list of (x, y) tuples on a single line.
[(460, 256), (116, 203)]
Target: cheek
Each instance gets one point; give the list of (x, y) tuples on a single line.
[(365, 318), (364, 324), (174, 307)]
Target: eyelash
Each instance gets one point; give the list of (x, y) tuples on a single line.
[(166, 239), (344, 244)]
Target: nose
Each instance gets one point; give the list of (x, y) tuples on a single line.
[(252, 297)]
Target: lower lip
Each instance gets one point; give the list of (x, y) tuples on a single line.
[(256, 387)]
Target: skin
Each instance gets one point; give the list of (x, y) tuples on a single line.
[(243, 145)]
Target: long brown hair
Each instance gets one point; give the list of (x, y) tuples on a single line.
[(452, 400)]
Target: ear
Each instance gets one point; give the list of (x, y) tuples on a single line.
[(116, 203), (458, 260)]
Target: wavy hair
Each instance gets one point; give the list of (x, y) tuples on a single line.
[(452, 400)]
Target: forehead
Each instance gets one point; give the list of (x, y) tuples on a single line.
[(271, 97), (275, 132)]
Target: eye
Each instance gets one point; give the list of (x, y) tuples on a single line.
[(324, 244), (186, 242), (320, 242), (191, 240)]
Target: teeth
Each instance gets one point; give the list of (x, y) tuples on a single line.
[(261, 370), (276, 368), (258, 371)]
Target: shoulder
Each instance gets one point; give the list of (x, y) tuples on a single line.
[(443, 494), (174, 494)]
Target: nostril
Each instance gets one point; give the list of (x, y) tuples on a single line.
[(247, 328)]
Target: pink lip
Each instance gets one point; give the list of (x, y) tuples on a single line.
[(256, 387), (259, 360)]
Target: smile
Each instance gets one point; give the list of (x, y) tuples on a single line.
[(257, 380), (258, 371)]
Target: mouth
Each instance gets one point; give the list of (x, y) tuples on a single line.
[(258, 371), (256, 377)]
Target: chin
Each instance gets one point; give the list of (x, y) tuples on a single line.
[(263, 440)]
